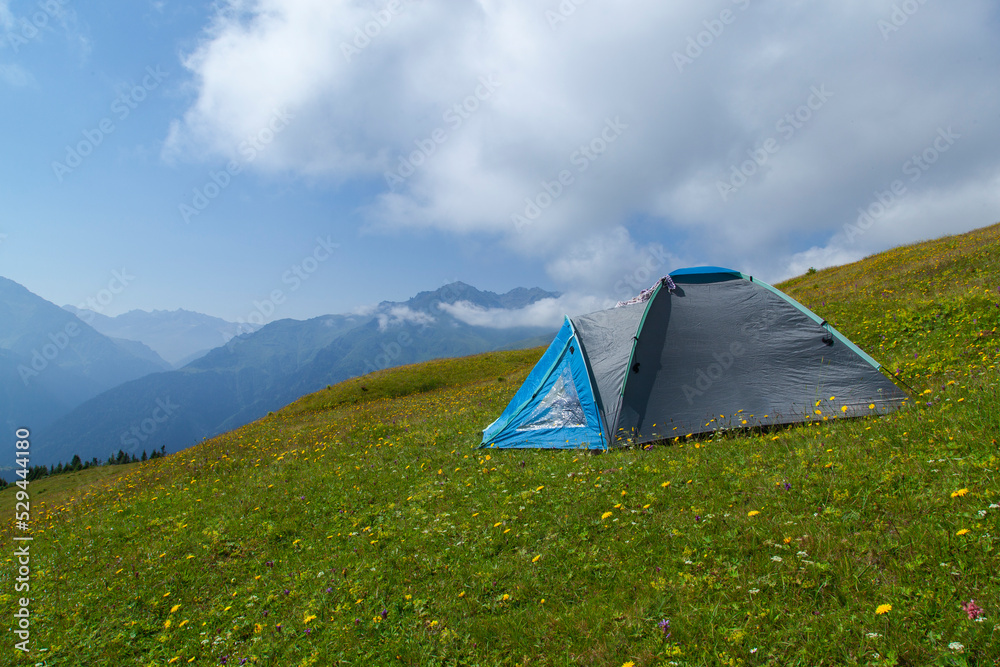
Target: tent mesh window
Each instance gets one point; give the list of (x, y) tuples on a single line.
[(559, 409)]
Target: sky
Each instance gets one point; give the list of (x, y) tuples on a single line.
[(263, 159)]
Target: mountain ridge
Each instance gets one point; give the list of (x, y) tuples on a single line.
[(255, 373)]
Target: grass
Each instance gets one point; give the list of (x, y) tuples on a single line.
[(360, 525)]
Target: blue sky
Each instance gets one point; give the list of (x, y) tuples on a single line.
[(581, 147)]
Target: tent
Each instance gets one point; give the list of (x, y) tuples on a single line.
[(706, 348)]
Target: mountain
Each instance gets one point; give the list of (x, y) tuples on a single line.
[(179, 336), (259, 372), (50, 361)]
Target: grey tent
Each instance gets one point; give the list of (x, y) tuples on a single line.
[(707, 348)]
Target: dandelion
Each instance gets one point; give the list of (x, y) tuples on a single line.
[(962, 532), (883, 609), (628, 664), (753, 513), (605, 515), (959, 493)]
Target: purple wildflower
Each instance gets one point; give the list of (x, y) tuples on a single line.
[(664, 625), (972, 609), (223, 659), (384, 614), (788, 486)]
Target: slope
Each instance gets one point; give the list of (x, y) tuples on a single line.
[(359, 525)]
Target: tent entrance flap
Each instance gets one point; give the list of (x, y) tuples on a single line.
[(555, 407), (559, 409)]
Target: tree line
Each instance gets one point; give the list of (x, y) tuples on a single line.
[(121, 458)]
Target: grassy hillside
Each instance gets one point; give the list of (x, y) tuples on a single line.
[(360, 525)]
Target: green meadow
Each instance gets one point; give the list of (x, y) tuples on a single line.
[(361, 525)]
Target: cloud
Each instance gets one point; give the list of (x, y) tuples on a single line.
[(6, 17), (611, 264), (14, 75), (542, 313), (739, 133), (402, 314), (908, 219)]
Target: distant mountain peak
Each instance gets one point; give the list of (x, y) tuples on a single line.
[(453, 292)]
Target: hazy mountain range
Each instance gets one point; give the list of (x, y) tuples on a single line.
[(178, 336), (51, 361), (93, 394)]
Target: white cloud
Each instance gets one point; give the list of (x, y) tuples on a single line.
[(542, 313), (6, 17), (911, 218), (401, 314), (14, 75), (612, 264), (836, 102)]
